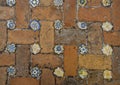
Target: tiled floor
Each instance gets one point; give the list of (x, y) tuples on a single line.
[(59, 42)]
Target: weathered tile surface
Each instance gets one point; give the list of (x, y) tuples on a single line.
[(69, 13), (70, 60), (112, 38), (95, 38), (47, 37), (95, 14), (22, 60), (70, 36), (22, 12), (6, 13), (24, 81), (47, 77), (7, 59), (3, 35), (90, 61), (46, 13), (46, 60), (3, 76), (23, 36)]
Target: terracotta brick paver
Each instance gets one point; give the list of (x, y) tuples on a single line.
[(68, 6), (115, 14), (95, 61), (34, 51), (46, 60), (47, 77), (46, 13), (95, 14), (3, 76), (47, 37), (22, 13), (23, 60), (24, 81), (70, 60), (112, 38), (7, 59), (3, 35), (23, 36), (6, 13)]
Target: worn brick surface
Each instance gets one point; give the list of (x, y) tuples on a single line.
[(69, 12), (46, 13), (46, 3), (93, 3), (23, 36), (7, 59), (6, 13), (115, 14), (2, 2), (47, 77), (70, 36), (22, 12), (95, 14), (95, 38), (116, 63), (70, 60), (95, 78), (23, 60), (3, 35), (112, 38), (100, 61), (47, 37), (46, 60), (3, 76), (70, 81), (24, 81), (59, 81)]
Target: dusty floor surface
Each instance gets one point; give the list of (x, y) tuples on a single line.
[(48, 42)]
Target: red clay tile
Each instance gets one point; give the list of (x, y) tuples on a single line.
[(112, 38), (3, 35), (47, 77), (24, 81), (7, 59), (95, 14), (46, 60), (69, 13), (22, 11), (70, 60), (47, 37), (23, 36)]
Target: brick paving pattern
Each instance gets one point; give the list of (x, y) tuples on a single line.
[(59, 42)]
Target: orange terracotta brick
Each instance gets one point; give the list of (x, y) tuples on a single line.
[(94, 3), (47, 37), (23, 36), (47, 77), (46, 13), (24, 81), (69, 12), (6, 13), (22, 12), (46, 60), (7, 59), (3, 76), (112, 38), (95, 14), (70, 60), (3, 35), (46, 2), (22, 60), (116, 14), (95, 61)]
